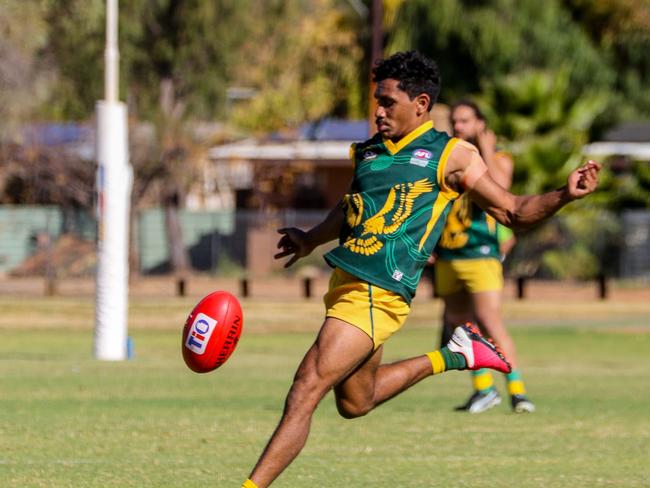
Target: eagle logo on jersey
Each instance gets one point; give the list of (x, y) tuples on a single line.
[(394, 213)]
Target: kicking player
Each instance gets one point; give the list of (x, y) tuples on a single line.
[(405, 178), (468, 271)]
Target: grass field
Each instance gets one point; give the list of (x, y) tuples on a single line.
[(69, 421)]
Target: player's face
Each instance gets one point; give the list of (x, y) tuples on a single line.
[(396, 113), (466, 124)]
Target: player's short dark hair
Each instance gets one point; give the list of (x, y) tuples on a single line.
[(466, 102), (416, 74)]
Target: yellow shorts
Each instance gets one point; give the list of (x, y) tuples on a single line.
[(472, 275), (376, 311)]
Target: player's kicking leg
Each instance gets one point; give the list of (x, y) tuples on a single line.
[(373, 383), (343, 356)]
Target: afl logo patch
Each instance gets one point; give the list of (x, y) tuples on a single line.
[(422, 154), (421, 157)]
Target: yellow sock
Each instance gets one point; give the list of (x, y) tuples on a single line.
[(515, 383), (437, 362), (482, 380), (249, 484)]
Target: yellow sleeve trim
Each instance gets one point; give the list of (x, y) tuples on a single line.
[(449, 193), (436, 211), (249, 484)]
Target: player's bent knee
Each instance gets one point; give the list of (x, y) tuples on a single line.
[(350, 410)]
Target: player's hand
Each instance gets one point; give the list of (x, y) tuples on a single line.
[(486, 141), (293, 241), (584, 180)]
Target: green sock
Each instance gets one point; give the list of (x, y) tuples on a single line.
[(453, 360)]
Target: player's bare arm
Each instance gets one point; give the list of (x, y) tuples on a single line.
[(466, 171), (300, 243), (500, 164), (502, 169)]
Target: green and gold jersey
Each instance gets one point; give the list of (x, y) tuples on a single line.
[(396, 209), (469, 233)]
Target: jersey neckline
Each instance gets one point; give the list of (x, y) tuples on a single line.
[(395, 147)]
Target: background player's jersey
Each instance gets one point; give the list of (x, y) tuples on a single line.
[(469, 233), (396, 209)]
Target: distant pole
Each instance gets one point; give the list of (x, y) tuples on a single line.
[(602, 286), (111, 54), (114, 178), (376, 53)]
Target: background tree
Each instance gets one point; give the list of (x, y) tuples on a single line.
[(621, 31), (305, 62), (541, 123), (25, 78), (477, 41)]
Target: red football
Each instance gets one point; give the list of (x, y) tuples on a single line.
[(212, 331)]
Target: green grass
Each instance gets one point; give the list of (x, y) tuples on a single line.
[(67, 420)]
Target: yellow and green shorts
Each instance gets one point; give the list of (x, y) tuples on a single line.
[(473, 275), (376, 311)]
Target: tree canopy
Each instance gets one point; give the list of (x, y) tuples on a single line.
[(266, 64)]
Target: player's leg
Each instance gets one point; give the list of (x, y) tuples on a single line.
[(458, 309), (339, 349), (372, 383), (379, 313), (457, 305), (487, 308)]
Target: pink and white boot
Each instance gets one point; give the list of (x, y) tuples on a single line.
[(478, 351)]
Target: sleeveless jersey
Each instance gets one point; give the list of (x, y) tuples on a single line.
[(396, 209)]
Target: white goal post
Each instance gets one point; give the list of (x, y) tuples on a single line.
[(114, 179)]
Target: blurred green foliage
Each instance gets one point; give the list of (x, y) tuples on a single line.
[(300, 59), (550, 76), (541, 124)]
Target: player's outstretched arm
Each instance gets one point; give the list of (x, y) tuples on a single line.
[(466, 170), (298, 243)]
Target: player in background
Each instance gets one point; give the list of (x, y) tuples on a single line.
[(405, 178), (468, 270)]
